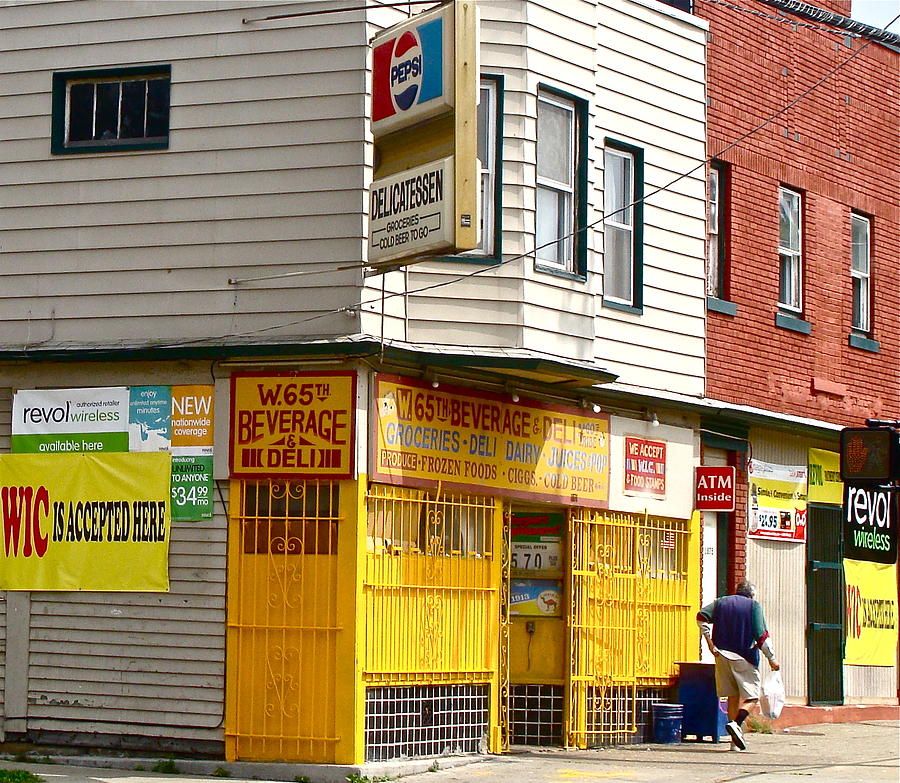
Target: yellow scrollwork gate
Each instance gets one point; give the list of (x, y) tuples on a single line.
[(632, 582), (282, 621), (432, 604)]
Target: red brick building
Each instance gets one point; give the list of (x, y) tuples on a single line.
[(838, 148), (803, 325)]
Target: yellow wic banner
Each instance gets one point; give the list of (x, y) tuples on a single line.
[(871, 613), (85, 521)]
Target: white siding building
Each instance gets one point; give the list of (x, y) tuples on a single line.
[(228, 232)]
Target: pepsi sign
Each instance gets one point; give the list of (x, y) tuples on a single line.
[(410, 77)]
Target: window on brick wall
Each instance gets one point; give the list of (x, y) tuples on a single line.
[(860, 274), (716, 283), (790, 250)]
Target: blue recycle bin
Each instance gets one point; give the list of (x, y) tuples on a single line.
[(705, 714), (667, 722)]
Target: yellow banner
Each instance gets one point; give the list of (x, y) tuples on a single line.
[(825, 485), (777, 501), (293, 424), (871, 613), (85, 521), (481, 442)]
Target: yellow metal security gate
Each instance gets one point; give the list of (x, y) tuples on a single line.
[(282, 621), (632, 587), (432, 603)]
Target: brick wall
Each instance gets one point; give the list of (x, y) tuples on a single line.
[(839, 147)]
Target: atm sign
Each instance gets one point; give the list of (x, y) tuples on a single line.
[(715, 488)]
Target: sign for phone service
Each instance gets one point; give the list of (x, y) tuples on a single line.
[(714, 489), (870, 524)]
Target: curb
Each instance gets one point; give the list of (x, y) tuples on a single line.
[(801, 715)]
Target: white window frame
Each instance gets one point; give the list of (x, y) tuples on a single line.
[(620, 217), (714, 282), (120, 80), (564, 256), (488, 89), (790, 256), (860, 273)]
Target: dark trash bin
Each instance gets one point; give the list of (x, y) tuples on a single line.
[(667, 722), (704, 713)]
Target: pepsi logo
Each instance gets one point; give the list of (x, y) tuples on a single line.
[(406, 70)]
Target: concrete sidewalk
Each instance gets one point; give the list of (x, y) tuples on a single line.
[(829, 753)]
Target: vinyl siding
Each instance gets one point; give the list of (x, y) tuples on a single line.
[(779, 569), (138, 664), (642, 73), (651, 94), (113, 662), (264, 175), (5, 419)]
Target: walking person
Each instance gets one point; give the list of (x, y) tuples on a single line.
[(735, 631)]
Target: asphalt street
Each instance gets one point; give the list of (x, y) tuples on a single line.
[(827, 753)]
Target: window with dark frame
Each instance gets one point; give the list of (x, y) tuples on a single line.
[(489, 141), (860, 273), (716, 263), (623, 219), (111, 110), (556, 181)]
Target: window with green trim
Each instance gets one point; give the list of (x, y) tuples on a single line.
[(556, 181), (111, 110), (561, 183), (490, 117), (623, 188)]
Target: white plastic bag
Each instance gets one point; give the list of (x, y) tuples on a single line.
[(771, 700)]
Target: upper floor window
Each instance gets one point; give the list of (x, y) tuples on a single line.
[(111, 110), (622, 225), (556, 175), (860, 274), (715, 240), (790, 254), (489, 161)]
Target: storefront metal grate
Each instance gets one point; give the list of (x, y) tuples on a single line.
[(615, 715), (425, 720), (537, 714)]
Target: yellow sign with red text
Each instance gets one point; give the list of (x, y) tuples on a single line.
[(298, 425), (870, 613), (482, 442), (85, 521)]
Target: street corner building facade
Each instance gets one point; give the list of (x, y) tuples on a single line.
[(356, 370)]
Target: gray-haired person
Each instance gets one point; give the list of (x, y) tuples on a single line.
[(735, 630)]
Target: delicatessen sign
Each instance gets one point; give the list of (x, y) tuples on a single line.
[(482, 442)]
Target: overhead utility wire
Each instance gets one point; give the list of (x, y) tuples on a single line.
[(321, 11), (793, 23), (523, 256), (603, 217)]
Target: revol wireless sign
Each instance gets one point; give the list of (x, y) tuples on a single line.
[(870, 524)]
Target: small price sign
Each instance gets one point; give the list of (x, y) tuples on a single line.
[(536, 556), (192, 488)]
